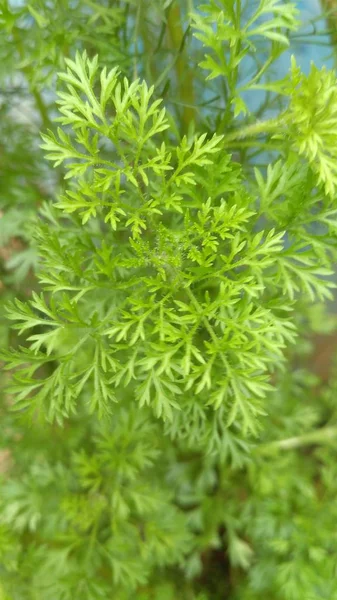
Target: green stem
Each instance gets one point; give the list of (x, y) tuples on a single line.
[(232, 69), (148, 55), (207, 325), (41, 107), (321, 436), (268, 126), (183, 72), (330, 8), (92, 540), (136, 40)]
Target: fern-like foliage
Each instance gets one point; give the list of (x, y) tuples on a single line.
[(173, 281), (185, 303), (190, 320), (312, 115)]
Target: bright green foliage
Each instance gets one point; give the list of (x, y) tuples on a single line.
[(312, 114), (232, 33), (161, 422)]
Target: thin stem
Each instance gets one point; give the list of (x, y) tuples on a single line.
[(207, 324), (41, 107), (135, 40), (184, 74), (232, 69), (258, 75), (321, 436), (91, 544), (330, 7), (254, 144), (267, 126)]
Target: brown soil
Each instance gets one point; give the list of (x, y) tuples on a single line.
[(325, 350)]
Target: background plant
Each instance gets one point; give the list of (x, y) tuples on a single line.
[(160, 423)]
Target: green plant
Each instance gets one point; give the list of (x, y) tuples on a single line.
[(161, 421)]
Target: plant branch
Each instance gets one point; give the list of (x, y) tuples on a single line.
[(258, 128), (321, 436), (177, 38)]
